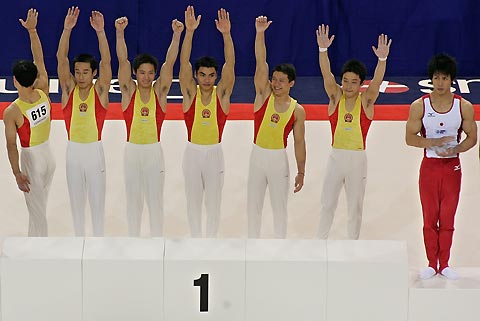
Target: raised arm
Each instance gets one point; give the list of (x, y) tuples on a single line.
[(164, 81), (65, 78), (225, 85), (11, 138), (332, 89), (262, 85), (381, 52), (187, 83), (102, 85), (299, 146), (31, 25), (125, 81), (414, 126)]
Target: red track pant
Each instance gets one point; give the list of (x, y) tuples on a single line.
[(439, 183)]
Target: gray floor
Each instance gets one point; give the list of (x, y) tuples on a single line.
[(391, 210)]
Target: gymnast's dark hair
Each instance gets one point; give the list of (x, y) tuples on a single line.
[(444, 64), (355, 66), (287, 69), (25, 72)]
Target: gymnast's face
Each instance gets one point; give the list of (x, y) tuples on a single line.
[(206, 77), (441, 83), (280, 84), (145, 75), (351, 84), (84, 74)]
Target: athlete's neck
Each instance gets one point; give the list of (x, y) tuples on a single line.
[(447, 95), (206, 95), (28, 95), (351, 96), (282, 99), (441, 101), (83, 92), (144, 93)]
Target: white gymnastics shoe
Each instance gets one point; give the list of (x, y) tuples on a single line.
[(427, 273), (450, 273)]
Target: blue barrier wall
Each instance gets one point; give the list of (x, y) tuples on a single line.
[(418, 29)]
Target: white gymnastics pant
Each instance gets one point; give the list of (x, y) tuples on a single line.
[(144, 180), (203, 169), (38, 164), (86, 176), (345, 168), (268, 167)]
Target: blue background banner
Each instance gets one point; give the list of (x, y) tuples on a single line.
[(419, 29), (307, 90)]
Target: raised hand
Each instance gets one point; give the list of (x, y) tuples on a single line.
[(383, 46), (177, 26), (71, 18), (223, 21), (97, 21), (191, 23), (31, 21), (323, 40), (121, 23), (262, 23)]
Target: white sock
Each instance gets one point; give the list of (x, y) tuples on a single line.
[(450, 273), (427, 273)]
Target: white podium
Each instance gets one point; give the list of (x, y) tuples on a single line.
[(367, 281), (440, 299), (286, 280), (123, 279), (41, 279), (155, 279), (204, 280)]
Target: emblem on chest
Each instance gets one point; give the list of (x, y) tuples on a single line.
[(348, 118)]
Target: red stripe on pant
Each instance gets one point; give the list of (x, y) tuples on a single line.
[(439, 183)]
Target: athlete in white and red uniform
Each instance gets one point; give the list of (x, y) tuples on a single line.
[(205, 108), (435, 123), (350, 114), (144, 106), (29, 117), (84, 107), (276, 115)]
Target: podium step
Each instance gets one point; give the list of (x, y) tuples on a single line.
[(441, 299)]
